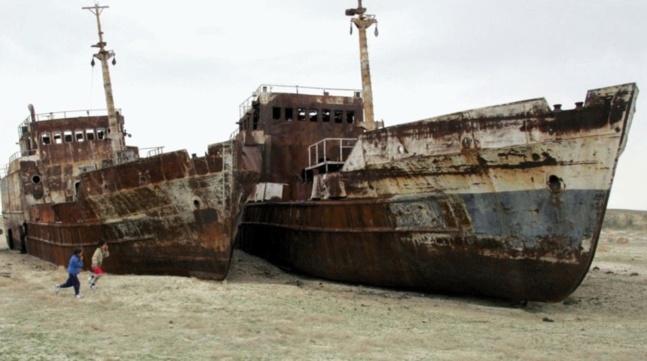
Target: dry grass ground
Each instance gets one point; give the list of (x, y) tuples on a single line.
[(262, 313)]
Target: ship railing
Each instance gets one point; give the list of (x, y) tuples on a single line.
[(234, 134), (14, 157), (152, 151), (67, 114), (246, 105), (330, 153)]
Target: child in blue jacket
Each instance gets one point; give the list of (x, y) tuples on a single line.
[(73, 269)]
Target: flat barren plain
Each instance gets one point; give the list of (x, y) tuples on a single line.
[(262, 313)]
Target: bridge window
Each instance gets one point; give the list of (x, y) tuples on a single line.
[(350, 116), (67, 136), (338, 116), (313, 115), (289, 114), (89, 134), (58, 138), (325, 115), (301, 114), (79, 136), (45, 139), (276, 113), (101, 134)]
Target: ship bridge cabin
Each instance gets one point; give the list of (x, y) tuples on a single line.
[(58, 147), (71, 137), (299, 131)]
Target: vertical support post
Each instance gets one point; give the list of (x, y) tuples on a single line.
[(364, 21), (116, 135)]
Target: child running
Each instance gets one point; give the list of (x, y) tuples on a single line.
[(73, 269), (97, 259)]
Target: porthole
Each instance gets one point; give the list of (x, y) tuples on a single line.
[(554, 184)]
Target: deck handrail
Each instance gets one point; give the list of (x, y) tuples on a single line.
[(67, 114), (234, 134), (152, 151), (294, 89), (320, 151), (13, 157)]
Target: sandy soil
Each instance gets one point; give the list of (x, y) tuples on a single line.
[(262, 313)]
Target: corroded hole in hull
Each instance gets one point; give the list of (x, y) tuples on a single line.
[(554, 184)]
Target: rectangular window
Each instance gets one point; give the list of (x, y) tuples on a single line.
[(45, 139), (89, 134), (101, 133), (350, 116), (301, 114), (289, 114), (313, 115), (338, 116), (276, 113), (58, 138), (78, 135), (67, 136), (325, 115)]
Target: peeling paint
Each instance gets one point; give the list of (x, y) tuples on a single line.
[(514, 211)]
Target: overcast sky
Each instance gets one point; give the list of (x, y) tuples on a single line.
[(184, 67)]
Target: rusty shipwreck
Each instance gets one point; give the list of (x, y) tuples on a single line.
[(504, 201), (75, 181)]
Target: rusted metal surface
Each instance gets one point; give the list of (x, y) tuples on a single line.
[(504, 201), (280, 126), (165, 214)]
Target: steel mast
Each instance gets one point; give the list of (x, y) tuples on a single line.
[(363, 21), (115, 134)]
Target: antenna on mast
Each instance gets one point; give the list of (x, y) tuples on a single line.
[(115, 133), (364, 21)]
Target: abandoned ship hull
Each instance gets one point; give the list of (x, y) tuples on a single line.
[(423, 243), (504, 201), (166, 214), (144, 255)]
